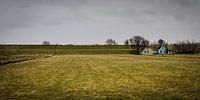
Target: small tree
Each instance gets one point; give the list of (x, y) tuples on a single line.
[(126, 42), (161, 42), (138, 42), (46, 43), (154, 45), (111, 42)]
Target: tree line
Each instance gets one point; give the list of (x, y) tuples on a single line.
[(187, 47), (139, 42)]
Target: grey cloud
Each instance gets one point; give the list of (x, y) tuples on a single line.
[(94, 19), (149, 12), (17, 15), (30, 13), (14, 19), (186, 3), (120, 12)]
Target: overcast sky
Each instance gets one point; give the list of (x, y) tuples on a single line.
[(93, 21)]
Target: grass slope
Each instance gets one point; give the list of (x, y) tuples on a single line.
[(102, 77), (7, 50)]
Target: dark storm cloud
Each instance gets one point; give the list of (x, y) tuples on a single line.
[(95, 20)]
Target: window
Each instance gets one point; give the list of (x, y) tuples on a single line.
[(147, 51), (144, 51)]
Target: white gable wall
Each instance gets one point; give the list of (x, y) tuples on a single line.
[(147, 51)]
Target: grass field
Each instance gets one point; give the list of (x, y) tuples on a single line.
[(119, 76)]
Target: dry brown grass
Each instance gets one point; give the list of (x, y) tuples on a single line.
[(103, 76)]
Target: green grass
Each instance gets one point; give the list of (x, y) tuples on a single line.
[(119, 76), (66, 46), (64, 49)]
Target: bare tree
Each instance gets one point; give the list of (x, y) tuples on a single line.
[(111, 42), (138, 42), (126, 42), (186, 47), (161, 42), (46, 43), (154, 45)]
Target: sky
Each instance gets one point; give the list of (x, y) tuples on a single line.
[(94, 21)]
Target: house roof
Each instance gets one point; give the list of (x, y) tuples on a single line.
[(156, 48), (165, 47), (147, 47), (169, 50)]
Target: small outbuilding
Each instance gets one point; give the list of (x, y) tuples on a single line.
[(170, 51), (147, 51)]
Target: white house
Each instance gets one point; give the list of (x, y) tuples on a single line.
[(147, 51)]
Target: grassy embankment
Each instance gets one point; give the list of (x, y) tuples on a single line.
[(17, 53), (65, 49), (102, 76)]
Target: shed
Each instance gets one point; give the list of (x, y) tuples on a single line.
[(170, 51)]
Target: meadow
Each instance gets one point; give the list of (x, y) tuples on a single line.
[(97, 76)]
